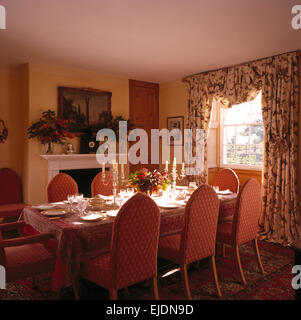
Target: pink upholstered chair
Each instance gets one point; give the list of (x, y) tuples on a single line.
[(60, 186), (134, 248), (98, 187), (10, 194), (227, 179), (245, 223), (197, 240), (26, 256)]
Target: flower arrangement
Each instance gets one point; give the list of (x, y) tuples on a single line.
[(49, 129), (144, 180)]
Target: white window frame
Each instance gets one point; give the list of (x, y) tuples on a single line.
[(221, 143)]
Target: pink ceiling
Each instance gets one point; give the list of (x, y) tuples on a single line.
[(154, 40)]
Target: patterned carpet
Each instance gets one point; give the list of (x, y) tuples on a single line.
[(274, 285)]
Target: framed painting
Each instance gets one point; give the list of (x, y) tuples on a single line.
[(84, 108), (176, 123)]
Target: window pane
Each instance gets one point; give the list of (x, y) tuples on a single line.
[(242, 135), (242, 155), (256, 134), (229, 135), (229, 154), (238, 114), (256, 159)]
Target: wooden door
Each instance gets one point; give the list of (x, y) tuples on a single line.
[(144, 113)]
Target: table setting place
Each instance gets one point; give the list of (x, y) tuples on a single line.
[(102, 207)]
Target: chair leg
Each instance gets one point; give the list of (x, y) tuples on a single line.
[(213, 270), (155, 288), (255, 246), (239, 266), (75, 288), (113, 295), (34, 283), (185, 281)]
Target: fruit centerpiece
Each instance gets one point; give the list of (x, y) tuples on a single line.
[(144, 180)]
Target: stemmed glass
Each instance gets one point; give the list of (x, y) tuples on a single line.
[(82, 206), (130, 192), (70, 198), (192, 184), (79, 197), (119, 201)]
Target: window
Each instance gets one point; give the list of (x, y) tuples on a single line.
[(242, 135)]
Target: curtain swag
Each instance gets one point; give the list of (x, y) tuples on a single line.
[(277, 78)]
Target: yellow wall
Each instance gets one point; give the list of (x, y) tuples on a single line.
[(43, 82), (10, 112)]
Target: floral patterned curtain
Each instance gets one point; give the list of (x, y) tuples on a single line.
[(277, 77), (279, 219)]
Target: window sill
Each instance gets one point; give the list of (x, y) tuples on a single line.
[(242, 168)]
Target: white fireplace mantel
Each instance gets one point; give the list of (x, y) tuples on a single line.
[(71, 162)]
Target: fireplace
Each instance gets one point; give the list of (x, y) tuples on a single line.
[(83, 178), (81, 167)]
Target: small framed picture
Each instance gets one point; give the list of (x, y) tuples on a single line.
[(176, 123)]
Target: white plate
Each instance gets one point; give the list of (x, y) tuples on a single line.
[(112, 213), (45, 206), (224, 192), (93, 217), (168, 205), (54, 212)]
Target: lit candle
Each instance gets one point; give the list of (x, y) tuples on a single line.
[(166, 165), (183, 166), (103, 168)]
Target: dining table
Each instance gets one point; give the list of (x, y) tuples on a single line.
[(76, 239)]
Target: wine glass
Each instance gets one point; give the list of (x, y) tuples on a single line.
[(130, 192), (122, 193), (79, 197), (70, 198), (119, 201), (192, 184), (82, 206)]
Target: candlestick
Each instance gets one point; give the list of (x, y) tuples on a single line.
[(166, 165), (174, 162), (115, 180), (103, 175)]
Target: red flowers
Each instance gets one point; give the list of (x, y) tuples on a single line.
[(50, 129)]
